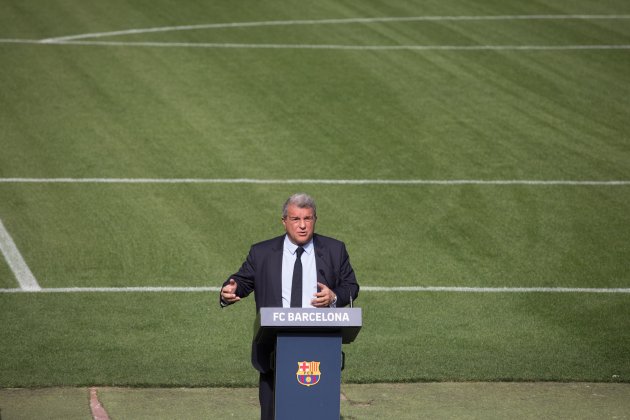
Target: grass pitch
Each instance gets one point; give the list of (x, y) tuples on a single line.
[(550, 104)]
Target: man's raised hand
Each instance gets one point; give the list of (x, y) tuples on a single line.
[(228, 292), (324, 297)]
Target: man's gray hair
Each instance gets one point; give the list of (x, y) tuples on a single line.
[(301, 200)]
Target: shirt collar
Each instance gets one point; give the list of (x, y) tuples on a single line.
[(291, 247)]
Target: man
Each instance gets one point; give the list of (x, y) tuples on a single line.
[(276, 269)]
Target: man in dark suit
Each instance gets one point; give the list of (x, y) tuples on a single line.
[(300, 269)]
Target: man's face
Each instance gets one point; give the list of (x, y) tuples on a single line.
[(299, 224)]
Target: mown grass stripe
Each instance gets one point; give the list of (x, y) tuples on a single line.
[(587, 47), (312, 181)]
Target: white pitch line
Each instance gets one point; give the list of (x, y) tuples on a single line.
[(378, 289), (354, 47), (495, 289), (312, 181), (332, 22), (25, 278), (148, 289)]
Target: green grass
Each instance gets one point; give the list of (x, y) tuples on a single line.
[(485, 401), (126, 339), (375, 401), (101, 111), (127, 111), (184, 339), (6, 276), (198, 235), (51, 403), (392, 115)]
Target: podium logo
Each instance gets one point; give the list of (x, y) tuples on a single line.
[(308, 373)]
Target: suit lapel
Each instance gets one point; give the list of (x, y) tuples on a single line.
[(321, 264), (276, 272)]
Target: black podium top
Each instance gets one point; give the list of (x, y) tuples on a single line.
[(271, 321)]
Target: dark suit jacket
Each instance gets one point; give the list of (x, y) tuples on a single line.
[(262, 273)]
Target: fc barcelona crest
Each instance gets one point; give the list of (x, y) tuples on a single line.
[(308, 373)]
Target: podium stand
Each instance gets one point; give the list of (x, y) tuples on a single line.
[(308, 358)]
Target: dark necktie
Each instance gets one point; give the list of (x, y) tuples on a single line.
[(296, 286)]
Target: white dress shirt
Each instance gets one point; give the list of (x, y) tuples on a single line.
[(309, 272)]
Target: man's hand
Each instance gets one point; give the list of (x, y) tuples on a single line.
[(228, 292), (324, 298)]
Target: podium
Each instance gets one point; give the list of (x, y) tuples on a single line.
[(308, 357)]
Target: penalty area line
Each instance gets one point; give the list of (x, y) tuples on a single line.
[(376, 289), (16, 262)]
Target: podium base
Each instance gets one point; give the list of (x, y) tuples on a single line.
[(308, 376)]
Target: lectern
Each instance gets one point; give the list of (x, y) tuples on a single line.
[(308, 357)]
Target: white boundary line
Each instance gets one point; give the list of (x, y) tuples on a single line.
[(147, 289), (328, 47), (16, 262), (616, 290), (310, 181), (496, 289), (331, 21), (76, 39)]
